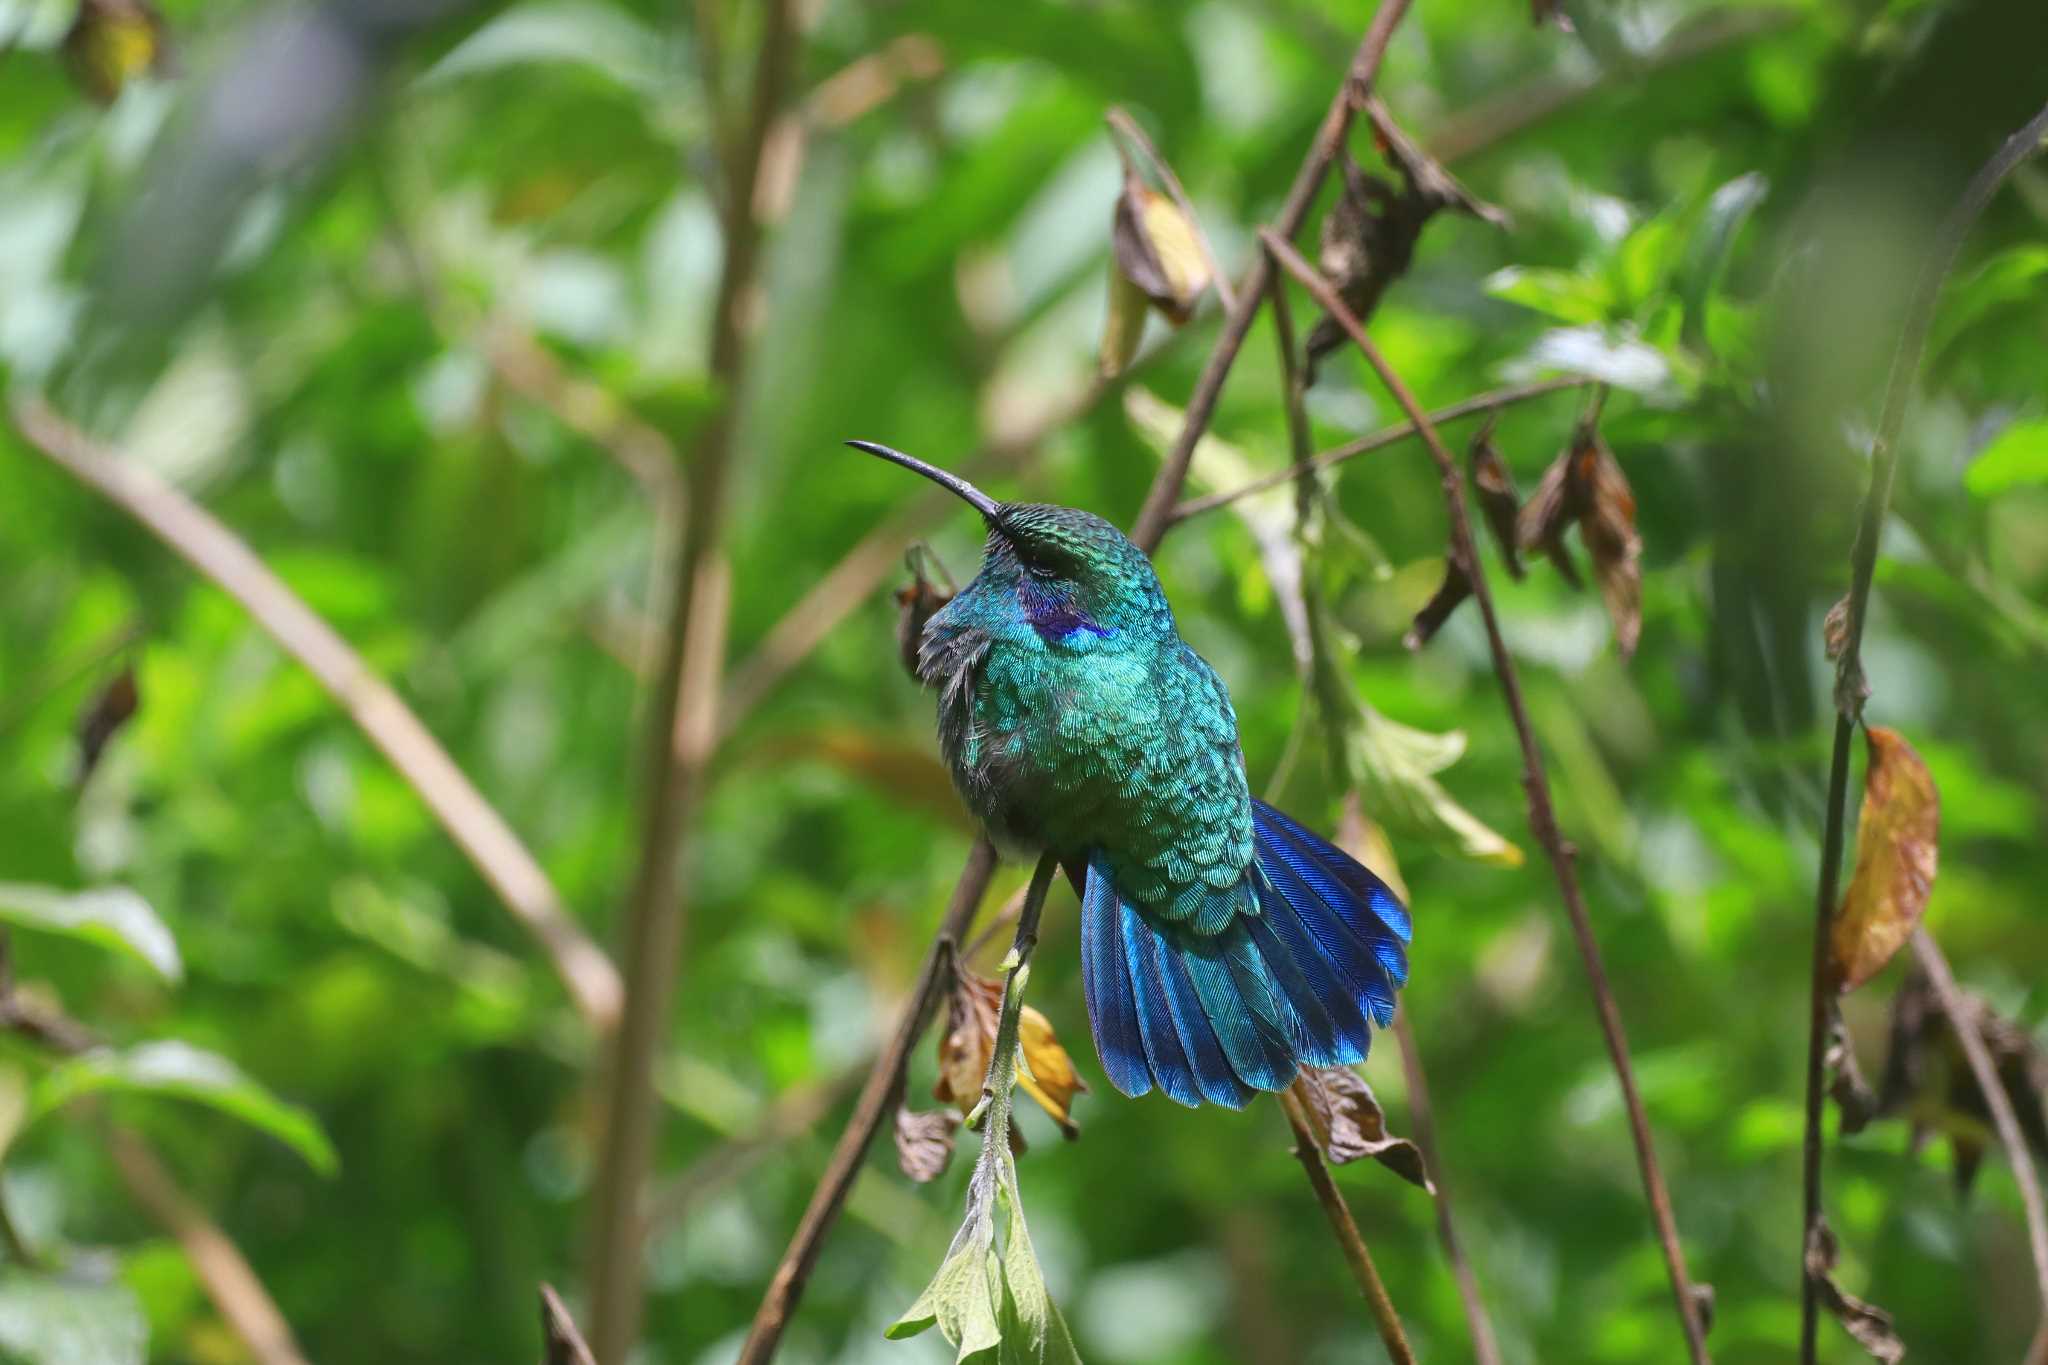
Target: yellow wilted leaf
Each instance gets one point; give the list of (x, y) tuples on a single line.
[(972, 1012), (1157, 258), (1048, 1076), (1124, 326), (111, 42), (1895, 860)]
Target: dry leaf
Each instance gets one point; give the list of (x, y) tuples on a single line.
[(1498, 499), (1550, 511), (1456, 587), (1869, 1324), (1049, 1076), (1928, 1080), (924, 1141), (1607, 524), (111, 42), (1543, 12), (1157, 250), (110, 709), (1895, 860), (1157, 260), (917, 602), (972, 1012), (1369, 235), (1347, 1123), (1854, 1098)]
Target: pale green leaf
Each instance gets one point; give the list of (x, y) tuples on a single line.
[(1562, 294), (66, 1319), (185, 1072), (111, 917), (2017, 456), (1394, 766)]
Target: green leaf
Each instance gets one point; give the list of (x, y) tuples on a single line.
[(1032, 1327), (602, 37), (1394, 766), (961, 1299), (51, 1319), (111, 917), (2010, 277), (186, 1072), (2018, 455), (1708, 248), (1562, 294)]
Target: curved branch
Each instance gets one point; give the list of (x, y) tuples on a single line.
[(1542, 814), (1850, 687), (476, 827)]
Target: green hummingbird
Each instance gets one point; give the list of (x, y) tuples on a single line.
[(1223, 945)]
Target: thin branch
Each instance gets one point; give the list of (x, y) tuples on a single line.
[(1542, 815), (2017, 1154), (1342, 1224), (1129, 127), (1485, 1346), (680, 734), (590, 410), (1156, 515), (563, 1343), (1850, 687), (790, 1115), (475, 826), (878, 1101), (1469, 132), (230, 1282), (1378, 440)]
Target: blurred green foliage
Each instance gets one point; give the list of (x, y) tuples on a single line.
[(1717, 208)]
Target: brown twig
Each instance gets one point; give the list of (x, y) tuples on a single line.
[(230, 1282), (1485, 1346), (1342, 1224), (790, 1115), (679, 738), (590, 410), (2017, 1153), (1542, 815), (1850, 686), (1378, 440), (563, 1344), (1493, 121), (1157, 514), (1121, 122), (878, 1100), (475, 826)]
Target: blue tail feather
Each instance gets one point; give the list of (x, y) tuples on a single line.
[(1112, 1008), (1164, 1054), (1315, 950)]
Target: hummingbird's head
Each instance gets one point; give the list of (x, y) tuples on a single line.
[(1070, 571)]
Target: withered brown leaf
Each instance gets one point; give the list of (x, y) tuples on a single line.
[(1548, 513), (973, 1011), (1896, 848), (917, 602), (1607, 524), (1870, 1325), (924, 1141), (1498, 500), (1834, 630), (112, 707), (1928, 1080), (1456, 587), (1156, 259), (1346, 1121)]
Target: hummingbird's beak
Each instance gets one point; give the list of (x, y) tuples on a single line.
[(989, 508)]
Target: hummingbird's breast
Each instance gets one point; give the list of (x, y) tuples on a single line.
[(1128, 747)]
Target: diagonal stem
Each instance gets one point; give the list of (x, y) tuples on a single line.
[(507, 866), (1542, 814), (1849, 685), (1346, 1228)]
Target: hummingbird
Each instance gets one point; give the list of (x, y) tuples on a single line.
[(1223, 945)]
